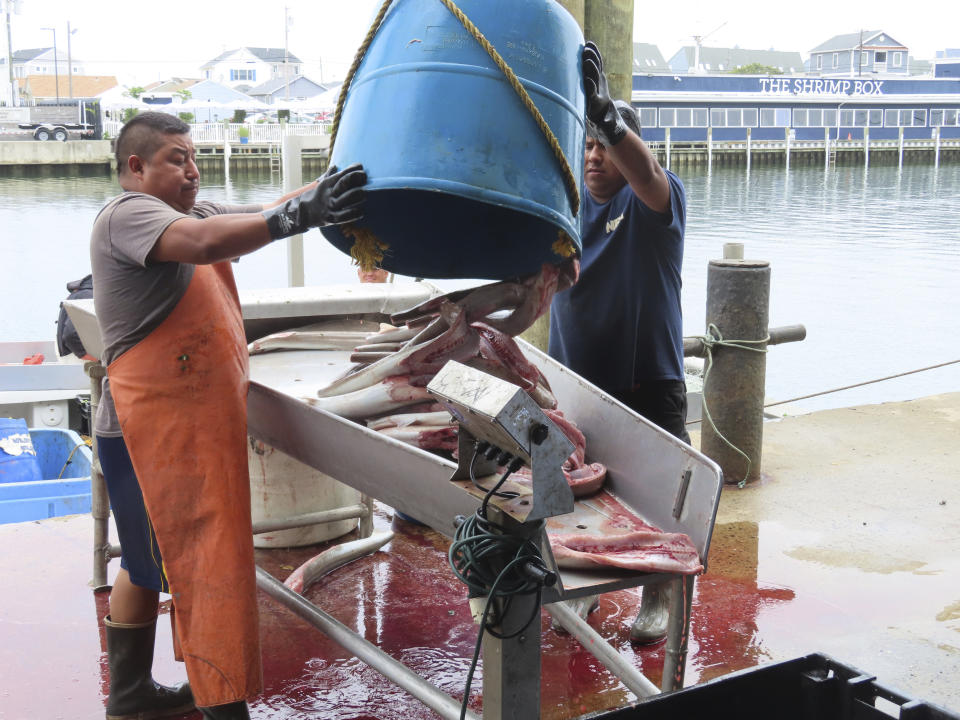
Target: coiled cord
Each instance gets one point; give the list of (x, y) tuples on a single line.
[(496, 565)]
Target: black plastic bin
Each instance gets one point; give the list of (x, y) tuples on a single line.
[(813, 687)]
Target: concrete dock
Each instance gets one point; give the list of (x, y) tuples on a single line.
[(849, 545)]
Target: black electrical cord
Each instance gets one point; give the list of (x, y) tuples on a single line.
[(479, 448), (477, 556)]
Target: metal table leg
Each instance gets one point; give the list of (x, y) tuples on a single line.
[(678, 632), (99, 501)]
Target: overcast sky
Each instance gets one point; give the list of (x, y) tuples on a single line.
[(143, 41)]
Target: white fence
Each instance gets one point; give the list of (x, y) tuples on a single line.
[(259, 133)]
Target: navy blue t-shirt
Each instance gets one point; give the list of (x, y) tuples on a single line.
[(621, 324)]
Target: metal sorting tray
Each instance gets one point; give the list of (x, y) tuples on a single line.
[(665, 482), (677, 488)]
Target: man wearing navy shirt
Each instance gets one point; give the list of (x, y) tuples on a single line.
[(620, 325)]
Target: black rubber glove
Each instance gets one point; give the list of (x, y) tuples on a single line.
[(337, 198), (603, 120)]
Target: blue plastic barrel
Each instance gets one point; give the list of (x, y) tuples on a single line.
[(462, 182), (18, 459)]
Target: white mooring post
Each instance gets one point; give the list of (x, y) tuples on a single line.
[(291, 152), (826, 148), (709, 149), (901, 148), (936, 151), (666, 140), (227, 151), (866, 147), (786, 135), (748, 149)]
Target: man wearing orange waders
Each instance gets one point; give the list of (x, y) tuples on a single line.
[(175, 400)]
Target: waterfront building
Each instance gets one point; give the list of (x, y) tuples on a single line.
[(648, 59), (947, 63), (721, 60), (38, 88), (297, 88), (858, 54), (695, 108), (246, 67)]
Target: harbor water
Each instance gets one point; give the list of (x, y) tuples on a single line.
[(868, 259)]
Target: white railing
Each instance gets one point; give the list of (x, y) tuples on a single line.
[(260, 133)]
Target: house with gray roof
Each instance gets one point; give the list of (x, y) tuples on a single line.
[(725, 60), (246, 67), (39, 61), (647, 59), (297, 88), (868, 52)]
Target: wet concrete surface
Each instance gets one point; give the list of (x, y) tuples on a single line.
[(848, 546)]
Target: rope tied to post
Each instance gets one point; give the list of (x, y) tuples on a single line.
[(571, 182), (714, 338)]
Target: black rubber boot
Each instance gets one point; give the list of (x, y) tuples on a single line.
[(651, 623), (134, 695), (231, 711)]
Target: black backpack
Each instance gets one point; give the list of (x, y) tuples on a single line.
[(68, 341)]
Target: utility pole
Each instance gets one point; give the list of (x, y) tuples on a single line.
[(70, 57), (286, 54), (9, 5), (56, 71), (860, 55)]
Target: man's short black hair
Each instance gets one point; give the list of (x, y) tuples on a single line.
[(142, 135)]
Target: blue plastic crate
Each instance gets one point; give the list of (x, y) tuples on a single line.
[(65, 461)]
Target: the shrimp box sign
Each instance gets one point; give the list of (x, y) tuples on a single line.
[(820, 86)]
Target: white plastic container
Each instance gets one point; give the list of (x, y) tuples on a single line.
[(281, 487)]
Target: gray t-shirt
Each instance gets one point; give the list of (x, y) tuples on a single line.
[(132, 298)]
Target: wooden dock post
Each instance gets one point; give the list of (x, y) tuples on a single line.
[(738, 301), (748, 149), (826, 148)]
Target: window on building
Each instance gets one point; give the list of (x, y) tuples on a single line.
[(864, 58), (750, 116), (245, 75), (819, 62), (941, 117), (775, 117), (861, 118), (808, 117), (880, 57), (683, 117), (718, 117), (829, 118), (648, 117), (897, 59), (836, 59), (906, 118)]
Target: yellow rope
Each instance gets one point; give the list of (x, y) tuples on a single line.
[(367, 250), (563, 245), (572, 186)]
